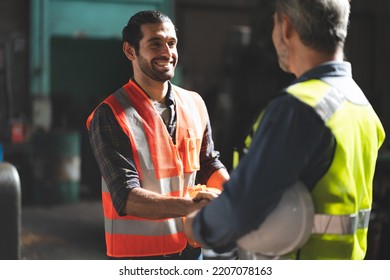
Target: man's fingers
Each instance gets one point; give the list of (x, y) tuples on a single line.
[(205, 195)]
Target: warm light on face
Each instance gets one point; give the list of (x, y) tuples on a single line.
[(157, 58)]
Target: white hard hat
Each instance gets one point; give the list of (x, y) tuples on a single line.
[(286, 228)]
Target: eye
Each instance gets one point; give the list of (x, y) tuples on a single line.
[(172, 44), (155, 44)]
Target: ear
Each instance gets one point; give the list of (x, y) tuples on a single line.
[(129, 51), (287, 29)]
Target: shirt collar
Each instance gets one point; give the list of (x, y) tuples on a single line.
[(327, 69), (169, 98)]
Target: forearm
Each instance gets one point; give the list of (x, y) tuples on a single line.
[(218, 178), (146, 204)]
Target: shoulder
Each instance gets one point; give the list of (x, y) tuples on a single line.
[(187, 93), (286, 103), (102, 114), (288, 109), (190, 98), (103, 109)]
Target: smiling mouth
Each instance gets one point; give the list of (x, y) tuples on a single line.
[(164, 64)]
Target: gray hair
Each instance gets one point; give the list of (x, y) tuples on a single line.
[(321, 24)]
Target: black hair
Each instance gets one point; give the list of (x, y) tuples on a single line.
[(132, 33)]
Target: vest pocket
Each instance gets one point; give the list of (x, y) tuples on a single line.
[(192, 151)]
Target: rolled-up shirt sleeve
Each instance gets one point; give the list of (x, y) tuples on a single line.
[(112, 150), (209, 157)]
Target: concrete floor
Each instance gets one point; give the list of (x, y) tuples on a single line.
[(71, 231)]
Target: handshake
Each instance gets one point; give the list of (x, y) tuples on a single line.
[(202, 195), (199, 192)]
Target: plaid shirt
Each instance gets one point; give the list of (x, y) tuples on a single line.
[(113, 153)]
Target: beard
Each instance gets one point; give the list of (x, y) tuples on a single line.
[(153, 71)]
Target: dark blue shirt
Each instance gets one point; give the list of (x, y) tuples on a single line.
[(291, 143)]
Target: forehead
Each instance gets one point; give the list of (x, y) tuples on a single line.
[(158, 30)]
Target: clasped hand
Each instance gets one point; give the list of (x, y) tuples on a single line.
[(199, 192)]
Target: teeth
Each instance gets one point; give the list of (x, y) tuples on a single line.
[(163, 64)]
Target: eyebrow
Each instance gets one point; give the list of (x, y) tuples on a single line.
[(153, 39)]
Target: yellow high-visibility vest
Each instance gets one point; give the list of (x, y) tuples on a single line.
[(343, 196)]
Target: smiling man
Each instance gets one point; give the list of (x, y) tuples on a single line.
[(152, 141)]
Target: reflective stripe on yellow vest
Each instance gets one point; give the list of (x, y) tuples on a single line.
[(343, 196), (163, 167)]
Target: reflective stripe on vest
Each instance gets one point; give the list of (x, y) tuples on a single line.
[(138, 226), (329, 104), (343, 196), (342, 224), (163, 167)]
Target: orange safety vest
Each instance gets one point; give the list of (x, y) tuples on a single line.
[(163, 167)]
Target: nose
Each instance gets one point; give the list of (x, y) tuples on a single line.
[(167, 50)]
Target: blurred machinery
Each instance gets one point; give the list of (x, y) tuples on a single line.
[(251, 78), (50, 82)]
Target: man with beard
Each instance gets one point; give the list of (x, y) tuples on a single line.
[(153, 144), (321, 131)]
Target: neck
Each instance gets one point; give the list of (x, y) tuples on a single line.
[(309, 59), (154, 89)]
